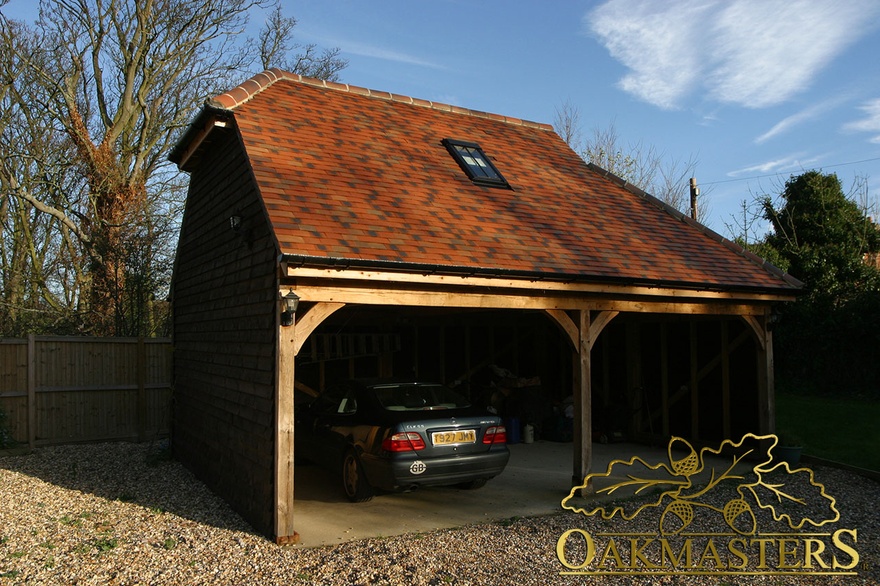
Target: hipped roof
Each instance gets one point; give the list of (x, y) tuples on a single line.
[(352, 177)]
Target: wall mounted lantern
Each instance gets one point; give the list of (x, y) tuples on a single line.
[(243, 232), (289, 302)]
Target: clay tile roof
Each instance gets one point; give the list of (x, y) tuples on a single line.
[(352, 175)]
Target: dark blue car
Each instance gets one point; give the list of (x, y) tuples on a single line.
[(400, 435)]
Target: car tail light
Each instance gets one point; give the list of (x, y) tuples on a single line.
[(497, 434), (403, 442)]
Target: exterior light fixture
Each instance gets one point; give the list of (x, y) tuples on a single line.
[(290, 302), (235, 223), (773, 318)]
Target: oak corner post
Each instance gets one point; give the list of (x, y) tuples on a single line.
[(284, 422)]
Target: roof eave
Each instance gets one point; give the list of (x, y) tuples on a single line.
[(794, 287), (210, 117)]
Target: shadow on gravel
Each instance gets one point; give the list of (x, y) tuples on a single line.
[(143, 474)]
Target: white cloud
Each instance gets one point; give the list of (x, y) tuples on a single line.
[(386, 54), (870, 123), (811, 113), (755, 53), (654, 42), (790, 163)]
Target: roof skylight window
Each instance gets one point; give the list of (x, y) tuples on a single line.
[(475, 163)]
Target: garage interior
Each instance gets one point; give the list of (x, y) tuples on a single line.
[(652, 375)]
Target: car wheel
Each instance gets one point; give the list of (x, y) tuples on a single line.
[(474, 484), (354, 481)]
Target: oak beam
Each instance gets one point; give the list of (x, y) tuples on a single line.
[(598, 324), (310, 320), (566, 324), (572, 331), (757, 329), (370, 295), (471, 281)]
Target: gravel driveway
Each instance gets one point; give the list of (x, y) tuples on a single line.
[(120, 513)]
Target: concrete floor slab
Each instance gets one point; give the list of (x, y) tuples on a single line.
[(535, 481)]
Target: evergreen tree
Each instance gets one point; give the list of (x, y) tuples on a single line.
[(827, 341), (824, 238)]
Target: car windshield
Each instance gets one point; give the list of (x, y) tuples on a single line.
[(418, 397)]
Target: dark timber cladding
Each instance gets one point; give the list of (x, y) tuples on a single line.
[(224, 298), (349, 198)]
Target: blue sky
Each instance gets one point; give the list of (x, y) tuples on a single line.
[(754, 90)]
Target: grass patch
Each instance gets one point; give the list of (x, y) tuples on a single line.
[(82, 549), (106, 544), (70, 521), (841, 429)]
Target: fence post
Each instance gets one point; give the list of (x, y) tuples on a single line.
[(31, 390), (141, 389)]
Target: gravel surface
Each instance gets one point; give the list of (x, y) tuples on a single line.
[(120, 513)]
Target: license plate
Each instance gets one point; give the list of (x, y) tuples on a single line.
[(460, 436)]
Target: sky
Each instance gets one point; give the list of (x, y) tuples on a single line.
[(754, 91)]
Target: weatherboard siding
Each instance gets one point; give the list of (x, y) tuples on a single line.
[(225, 305)]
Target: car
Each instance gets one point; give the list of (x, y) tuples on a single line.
[(399, 435)]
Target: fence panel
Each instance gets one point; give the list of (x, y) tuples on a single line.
[(85, 389)]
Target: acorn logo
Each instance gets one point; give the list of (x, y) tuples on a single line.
[(734, 482)]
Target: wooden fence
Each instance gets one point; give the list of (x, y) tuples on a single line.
[(58, 390)]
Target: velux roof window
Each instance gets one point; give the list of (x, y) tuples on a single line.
[(475, 163)]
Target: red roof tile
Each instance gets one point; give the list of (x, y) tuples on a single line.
[(350, 173)]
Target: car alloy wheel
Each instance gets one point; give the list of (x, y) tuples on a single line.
[(357, 489)]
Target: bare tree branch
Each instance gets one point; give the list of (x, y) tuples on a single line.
[(93, 96)]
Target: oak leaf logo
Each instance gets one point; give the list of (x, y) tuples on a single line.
[(743, 474)]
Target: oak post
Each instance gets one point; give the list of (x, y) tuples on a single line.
[(583, 423), (284, 531), (766, 391)]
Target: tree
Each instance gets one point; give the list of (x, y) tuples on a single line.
[(823, 237), (636, 163), (567, 123), (94, 95), (827, 340)]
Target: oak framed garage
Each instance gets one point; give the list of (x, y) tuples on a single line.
[(352, 198)]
